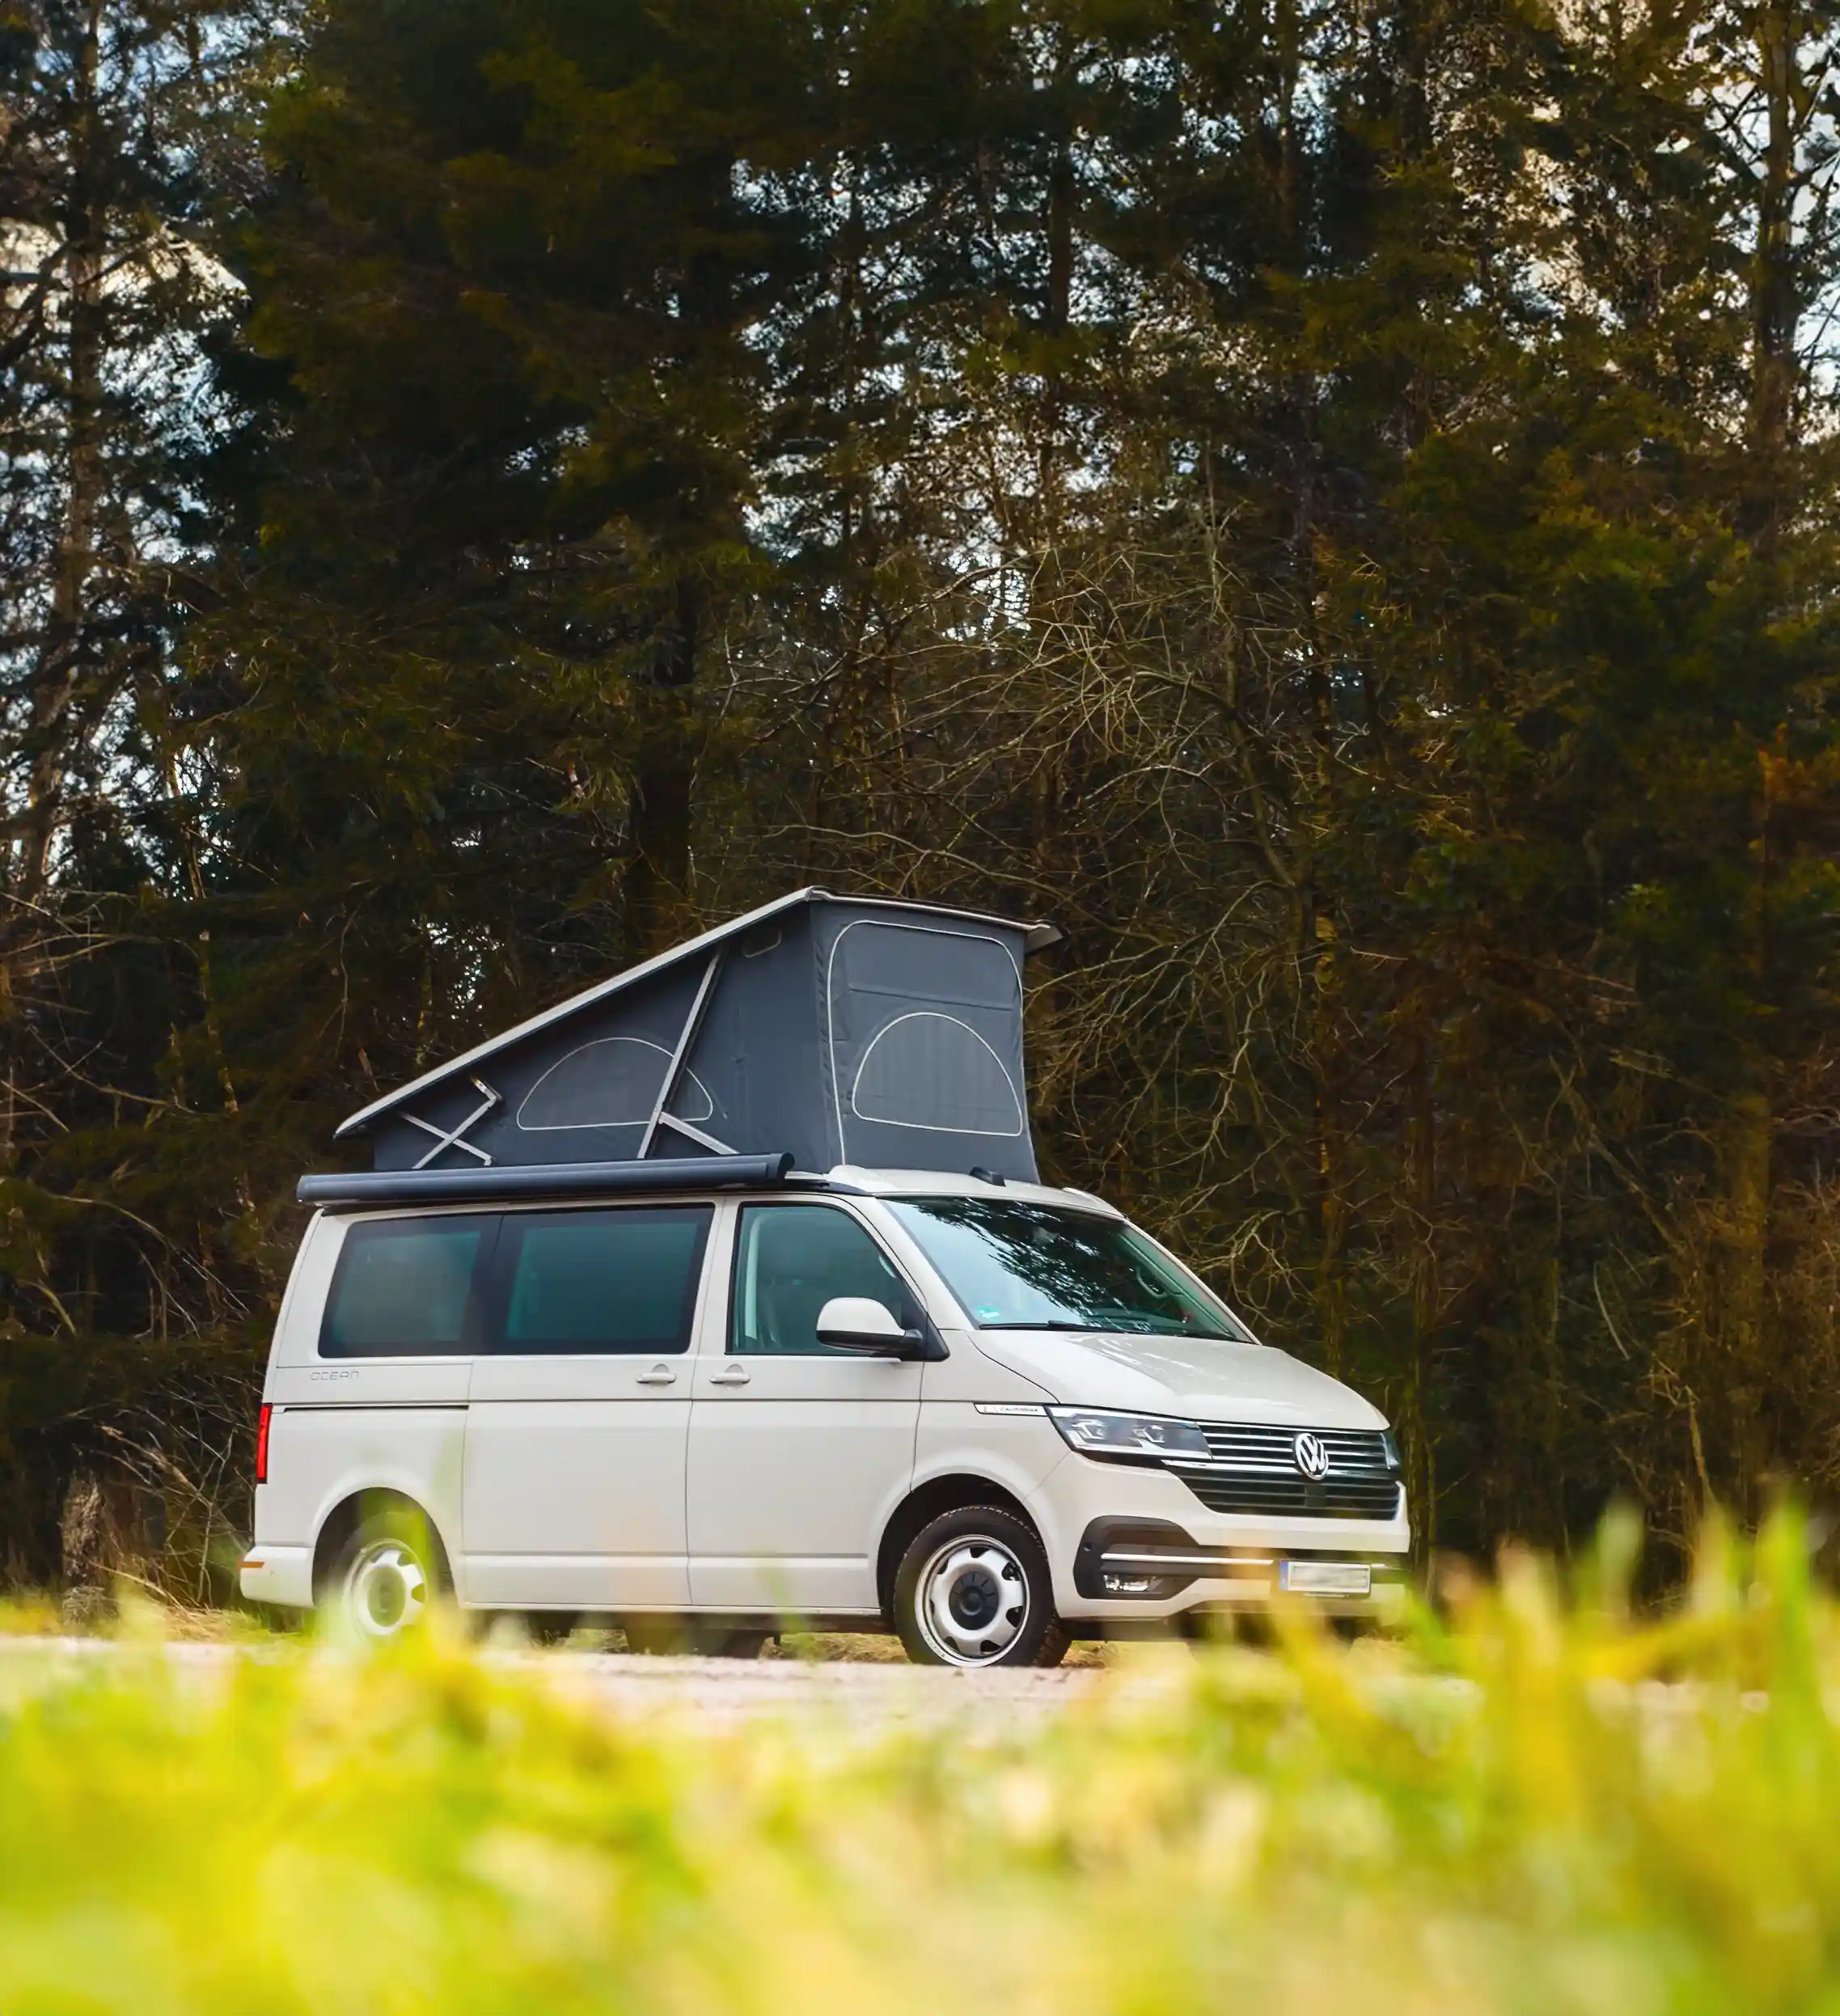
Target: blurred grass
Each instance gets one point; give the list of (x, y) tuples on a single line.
[(1544, 1804)]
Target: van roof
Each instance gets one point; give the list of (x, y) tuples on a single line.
[(377, 1192), (898, 1183)]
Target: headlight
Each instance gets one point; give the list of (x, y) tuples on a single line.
[(1139, 1438)]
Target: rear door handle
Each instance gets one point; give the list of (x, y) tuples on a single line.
[(658, 1376), (731, 1376)]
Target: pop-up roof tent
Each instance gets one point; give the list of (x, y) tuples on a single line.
[(821, 1028)]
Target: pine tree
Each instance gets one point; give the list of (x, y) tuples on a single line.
[(119, 134)]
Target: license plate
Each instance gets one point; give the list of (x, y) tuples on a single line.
[(1326, 1578)]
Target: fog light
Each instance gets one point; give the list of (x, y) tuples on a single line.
[(1129, 1585)]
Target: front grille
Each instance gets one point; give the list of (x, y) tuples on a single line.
[(1258, 1472)]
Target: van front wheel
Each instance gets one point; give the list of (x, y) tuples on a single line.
[(388, 1576), (973, 1589)]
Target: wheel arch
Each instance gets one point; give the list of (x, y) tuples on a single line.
[(926, 1503), (351, 1512)]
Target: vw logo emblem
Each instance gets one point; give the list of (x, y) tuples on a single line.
[(1312, 1458)]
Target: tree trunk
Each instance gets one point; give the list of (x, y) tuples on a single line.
[(1057, 318), (83, 1532), (1332, 1209), (1740, 1325), (58, 662), (59, 658), (1774, 303), (1421, 1150), (659, 910)]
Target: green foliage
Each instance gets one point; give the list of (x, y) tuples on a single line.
[(1546, 1805)]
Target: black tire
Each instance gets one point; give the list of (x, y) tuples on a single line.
[(974, 1590), (388, 1576)]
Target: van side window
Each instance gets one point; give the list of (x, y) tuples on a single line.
[(791, 1259), (600, 1281), (402, 1288)]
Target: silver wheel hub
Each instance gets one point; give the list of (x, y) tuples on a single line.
[(386, 1591), (974, 1601)]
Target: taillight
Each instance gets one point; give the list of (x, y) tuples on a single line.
[(262, 1444)]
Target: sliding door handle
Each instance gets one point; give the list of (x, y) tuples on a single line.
[(731, 1376)]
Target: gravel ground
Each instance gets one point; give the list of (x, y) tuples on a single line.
[(872, 1693), (727, 1691)]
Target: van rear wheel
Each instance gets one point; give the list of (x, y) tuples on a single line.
[(388, 1576), (974, 1589)]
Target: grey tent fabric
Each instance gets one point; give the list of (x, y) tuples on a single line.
[(924, 1035), (842, 1029)]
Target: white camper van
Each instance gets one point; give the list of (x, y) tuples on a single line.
[(711, 1394)]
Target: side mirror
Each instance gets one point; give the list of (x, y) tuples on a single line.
[(857, 1323)]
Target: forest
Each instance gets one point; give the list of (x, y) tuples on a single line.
[(1334, 503)]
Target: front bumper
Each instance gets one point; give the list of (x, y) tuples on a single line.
[(1197, 1559), (1146, 1562)]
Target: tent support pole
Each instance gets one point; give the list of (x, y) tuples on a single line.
[(694, 1134), (455, 1137), (679, 1056)]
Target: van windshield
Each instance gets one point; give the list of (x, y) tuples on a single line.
[(1022, 1266)]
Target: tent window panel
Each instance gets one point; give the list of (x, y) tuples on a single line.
[(919, 965), (610, 1082), (402, 1288), (603, 1282), (793, 1258), (935, 1072)]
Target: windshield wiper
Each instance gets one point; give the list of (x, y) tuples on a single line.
[(1114, 1329)]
